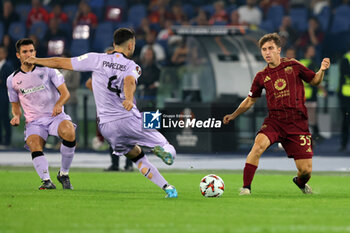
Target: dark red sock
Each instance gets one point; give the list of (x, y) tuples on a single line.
[(302, 180), (248, 174)]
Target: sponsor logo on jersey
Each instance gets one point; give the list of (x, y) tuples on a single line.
[(280, 84), (138, 70), (32, 90), (288, 70), (115, 66), (151, 120), (267, 78)]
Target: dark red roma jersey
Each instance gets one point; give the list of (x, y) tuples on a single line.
[(284, 89)]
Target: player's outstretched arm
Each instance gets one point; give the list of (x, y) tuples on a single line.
[(246, 104), (129, 90), (52, 62), (16, 112), (63, 90), (325, 64)]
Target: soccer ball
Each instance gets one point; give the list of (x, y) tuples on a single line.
[(212, 186)]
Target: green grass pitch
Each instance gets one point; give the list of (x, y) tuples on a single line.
[(129, 203)]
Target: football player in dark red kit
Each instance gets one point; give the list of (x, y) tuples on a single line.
[(287, 120)]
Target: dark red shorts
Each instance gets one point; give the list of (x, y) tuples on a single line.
[(294, 136)]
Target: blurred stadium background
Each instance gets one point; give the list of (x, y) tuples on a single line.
[(205, 57)]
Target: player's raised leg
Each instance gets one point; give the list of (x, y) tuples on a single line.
[(66, 131), (41, 165), (261, 143), (167, 153), (304, 167), (160, 146), (150, 172)]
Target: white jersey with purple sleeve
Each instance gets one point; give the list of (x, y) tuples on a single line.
[(35, 90), (108, 74)]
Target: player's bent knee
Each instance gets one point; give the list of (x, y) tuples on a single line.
[(66, 130), (138, 157), (67, 134), (35, 143), (305, 170), (258, 149)]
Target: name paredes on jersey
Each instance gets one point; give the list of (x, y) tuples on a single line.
[(32, 90), (115, 66), (191, 123)]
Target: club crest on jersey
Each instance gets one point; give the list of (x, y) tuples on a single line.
[(280, 84), (137, 71), (288, 70), (151, 120)]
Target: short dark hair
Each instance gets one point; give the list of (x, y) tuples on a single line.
[(122, 35), (24, 41), (268, 37)]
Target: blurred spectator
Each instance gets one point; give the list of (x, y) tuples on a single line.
[(266, 4), (156, 4), (311, 93), (8, 15), (177, 15), (149, 82), (179, 56), (9, 44), (39, 46), (250, 14), (142, 30), (234, 19), (344, 98), (72, 80), (84, 16), (58, 14), (5, 70), (201, 19), (220, 16), (318, 5), (166, 32), (158, 12), (168, 35), (287, 32), (54, 33), (157, 48), (300, 3), (37, 14), (290, 53), (313, 36)]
